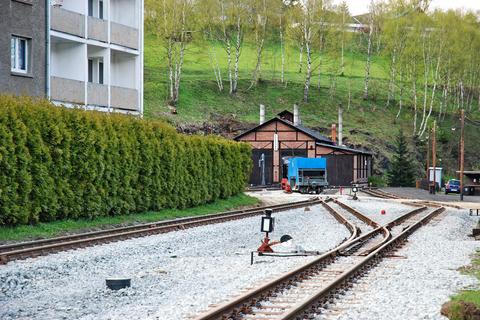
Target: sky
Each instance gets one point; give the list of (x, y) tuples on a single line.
[(361, 6)]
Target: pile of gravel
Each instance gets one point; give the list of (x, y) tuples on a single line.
[(174, 275), (415, 285)]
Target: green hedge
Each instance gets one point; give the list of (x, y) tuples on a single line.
[(58, 163)]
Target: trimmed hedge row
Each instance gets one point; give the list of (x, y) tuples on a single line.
[(58, 163)]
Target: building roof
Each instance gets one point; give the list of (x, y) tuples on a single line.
[(344, 148), (470, 172), (309, 132)]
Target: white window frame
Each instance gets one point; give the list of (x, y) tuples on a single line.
[(15, 56), (96, 70), (95, 9)]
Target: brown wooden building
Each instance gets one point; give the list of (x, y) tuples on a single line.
[(284, 136)]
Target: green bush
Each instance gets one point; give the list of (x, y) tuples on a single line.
[(377, 181), (58, 163)]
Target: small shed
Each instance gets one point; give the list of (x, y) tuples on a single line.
[(471, 182), (284, 136)]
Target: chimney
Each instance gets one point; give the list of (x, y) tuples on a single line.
[(334, 133), (262, 114), (340, 125), (296, 115)]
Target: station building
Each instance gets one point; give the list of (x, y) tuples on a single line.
[(284, 136)]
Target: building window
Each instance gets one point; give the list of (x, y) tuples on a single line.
[(95, 70), (95, 8), (19, 53)]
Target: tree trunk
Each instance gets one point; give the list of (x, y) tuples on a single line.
[(237, 56), (435, 81), (179, 64), (391, 84), (367, 66), (426, 63), (212, 54), (257, 66), (400, 103), (320, 63), (283, 51), (414, 87), (170, 67), (342, 58), (479, 100), (300, 59), (228, 48), (309, 72)]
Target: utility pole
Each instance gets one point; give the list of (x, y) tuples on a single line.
[(462, 153), (428, 160), (434, 156)]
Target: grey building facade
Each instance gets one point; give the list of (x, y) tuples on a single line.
[(23, 43)]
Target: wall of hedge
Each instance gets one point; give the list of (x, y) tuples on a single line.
[(58, 163)]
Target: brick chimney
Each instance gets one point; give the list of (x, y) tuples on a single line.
[(334, 133)]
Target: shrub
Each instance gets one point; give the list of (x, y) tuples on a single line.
[(58, 163)]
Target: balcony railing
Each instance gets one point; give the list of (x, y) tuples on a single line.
[(97, 29), (97, 94), (124, 98), (67, 90), (68, 21), (124, 35)]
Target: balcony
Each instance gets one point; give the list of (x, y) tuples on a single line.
[(66, 21), (97, 94), (124, 98), (97, 29), (67, 90), (124, 35)]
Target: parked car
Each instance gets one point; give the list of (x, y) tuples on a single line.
[(452, 186)]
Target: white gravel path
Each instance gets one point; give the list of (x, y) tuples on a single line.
[(173, 275), (415, 287)]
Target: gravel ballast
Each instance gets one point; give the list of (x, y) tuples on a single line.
[(174, 275), (416, 283), (372, 208)]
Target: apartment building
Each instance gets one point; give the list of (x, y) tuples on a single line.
[(92, 52), (23, 43)]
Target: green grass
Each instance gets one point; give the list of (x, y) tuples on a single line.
[(56, 228), (471, 296), (369, 123)]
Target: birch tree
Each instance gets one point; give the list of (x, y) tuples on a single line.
[(258, 10), (307, 22), (171, 22)]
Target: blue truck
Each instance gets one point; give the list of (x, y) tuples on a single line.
[(307, 175)]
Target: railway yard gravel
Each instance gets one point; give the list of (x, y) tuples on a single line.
[(372, 208), (416, 283), (174, 275)]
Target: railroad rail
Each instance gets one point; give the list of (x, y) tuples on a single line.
[(380, 194), (301, 293), (31, 249), (433, 204)]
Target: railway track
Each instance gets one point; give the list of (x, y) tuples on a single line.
[(24, 250), (380, 194), (305, 291)]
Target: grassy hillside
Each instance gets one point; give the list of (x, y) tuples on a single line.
[(366, 123)]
